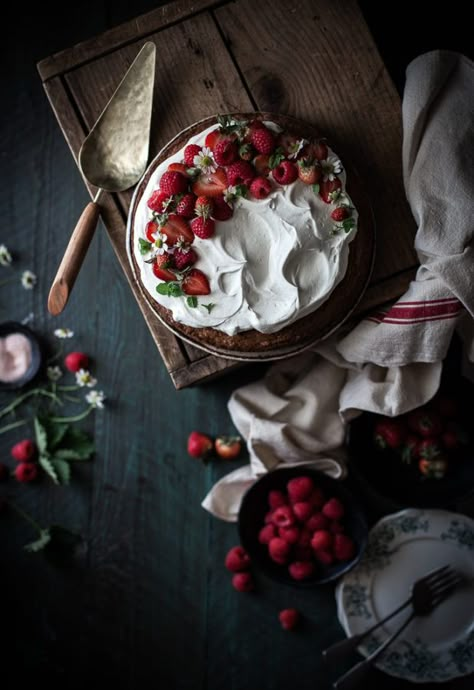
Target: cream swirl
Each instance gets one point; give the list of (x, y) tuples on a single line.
[(275, 261)]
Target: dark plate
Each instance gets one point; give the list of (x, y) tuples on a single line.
[(9, 328), (402, 483), (255, 506)]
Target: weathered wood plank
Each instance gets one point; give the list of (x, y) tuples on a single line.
[(338, 83), (118, 36)]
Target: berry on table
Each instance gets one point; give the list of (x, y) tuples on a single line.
[(237, 559), (289, 618), (26, 472), (243, 582), (228, 447), (75, 361), (199, 445), (23, 451)]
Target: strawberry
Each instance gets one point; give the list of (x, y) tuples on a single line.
[(389, 433), (225, 151), (184, 257), (199, 445), (179, 168), (190, 152), (255, 124), (212, 184), (228, 447), (176, 229), (76, 360), (150, 229), (308, 172), (262, 140), (160, 267), (289, 618), (262, 164), (240, 172), (425, 422), (173, 183), (340, 213), (328, 189), (23, 451), (204, 207), (316, 150), (212, 138), (260, 187), (237, 559), (195, 283), (157, 200), (26, 472), (301, 570), (433, 469), (285, 172), (203, 227), (185, 206), (221, 210)]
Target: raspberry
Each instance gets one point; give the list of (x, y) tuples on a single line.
[(333, 509), (317, 498), (237, 559), (267, 533), (340, 213), (222, 210), (76, 360), (225, 152), (279, 550), (240, 172), (344, 547), (23, 451), (305, 537), (189, 152), (317, 521), (335, 527), (185, 206), (289, 534), (4, 472), (204, 207), (173, 183), (286, 172), (203, 227), (289, 618), (324, 557), (184, 257), (157, 200), (26, 472), (322, 540), (276, 499), (283, 516), (302, 510), (263, 140), (260, 187), (269, 517), (243, 582), (300, 489), (301, 570), (199, 444)]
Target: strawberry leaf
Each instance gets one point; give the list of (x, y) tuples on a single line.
[(49, 468), (54, 433), (39, 544), (62, 469), (41, 437), (144, 246), (75, 445)]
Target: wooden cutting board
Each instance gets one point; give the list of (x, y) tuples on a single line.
[(312, 60)]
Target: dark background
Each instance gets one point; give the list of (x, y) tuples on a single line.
[(62, 623)]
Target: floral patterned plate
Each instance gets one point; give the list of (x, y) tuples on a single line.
[(401, 548)]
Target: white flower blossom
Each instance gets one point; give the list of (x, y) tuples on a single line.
[(161, 246), (96, 399), (28, 280), (204, 160), (230, 194), (331, 167), (63, 333), (54, 373), (5, 256), (296, 147), (85, 378)]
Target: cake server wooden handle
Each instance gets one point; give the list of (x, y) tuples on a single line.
[(73, 258)]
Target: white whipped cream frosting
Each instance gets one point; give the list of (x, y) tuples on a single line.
[(275, 261)]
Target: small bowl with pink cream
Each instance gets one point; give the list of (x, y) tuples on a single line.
[(20, 355)]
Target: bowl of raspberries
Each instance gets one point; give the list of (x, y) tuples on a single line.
[(301, 527)]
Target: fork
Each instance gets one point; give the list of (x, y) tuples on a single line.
[(427, 593)]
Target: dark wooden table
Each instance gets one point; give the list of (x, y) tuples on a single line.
[(147, 599)]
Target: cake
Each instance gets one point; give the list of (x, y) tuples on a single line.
[(243, 232)]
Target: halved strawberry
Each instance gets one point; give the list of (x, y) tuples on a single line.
[(176, 228), (195, 283), (212, 138), (212, 184), (151, 227), (316, 150), (179, 167), (327, 187), (160, 267), (262, 165)]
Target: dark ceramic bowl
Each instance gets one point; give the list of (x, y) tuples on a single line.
[(9, 328), (254, 507)]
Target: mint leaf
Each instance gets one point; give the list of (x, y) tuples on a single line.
[(49, 468), (209, 307), (39, 544), (62, 469), (75, 445), (41, 437), (315, 188), (144, 246), (170, 289), (192, 301), (348, 224), (276, 158)]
